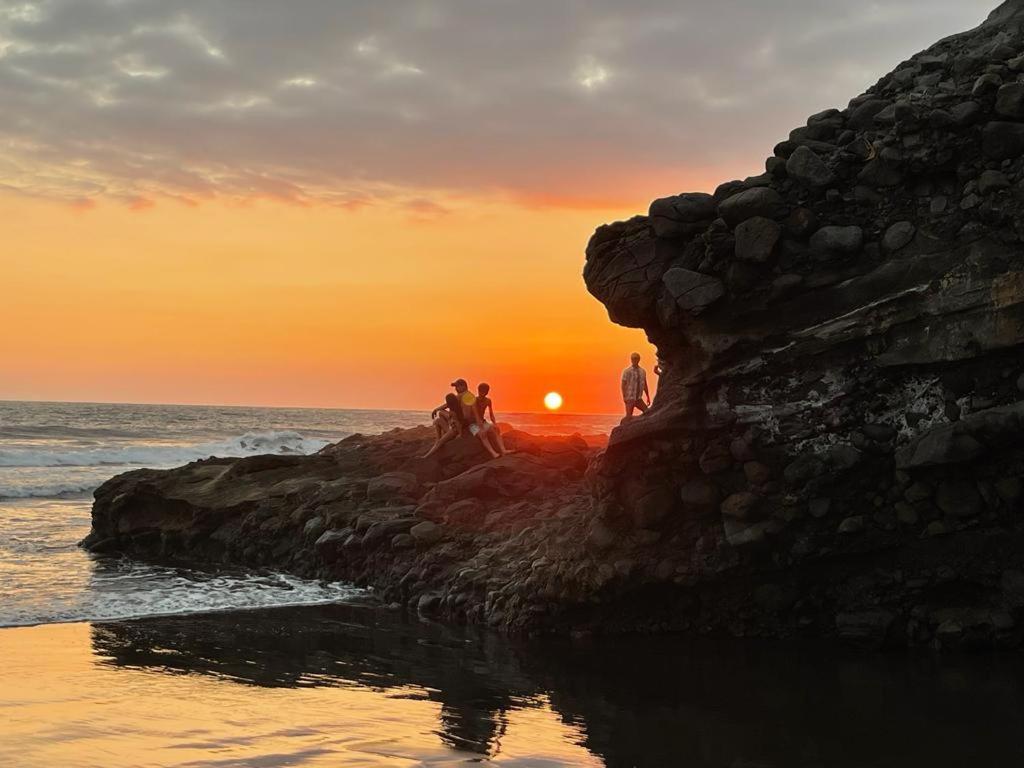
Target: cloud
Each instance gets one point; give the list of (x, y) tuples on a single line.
[(360, 103)]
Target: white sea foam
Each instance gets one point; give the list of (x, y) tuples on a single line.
[(52, 472), (158, 455)]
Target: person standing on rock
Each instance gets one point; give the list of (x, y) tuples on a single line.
[(634, 387), (471, 415)]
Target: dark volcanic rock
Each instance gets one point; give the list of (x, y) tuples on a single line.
[(871, 382)]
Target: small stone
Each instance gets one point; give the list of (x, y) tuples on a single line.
[(699, 494), (935, 528), (801, 222), (426, 533), (757, 473), (403, 541), (1010, 101), (756, 239), (740, 534), (654, 508), (715, 458), (1010, 489), (906, 514), (313, 528), (917, 492), (959, 498), (819, 507), (740, 450), (970, 202), (806, 168), (804, 468), (854, 524), (992, 181), (938, 205), (740, 506), (600, 537), (898, 236)]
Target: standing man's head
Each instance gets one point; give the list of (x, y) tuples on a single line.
[(482, 389), (635, 358), (460, 386)]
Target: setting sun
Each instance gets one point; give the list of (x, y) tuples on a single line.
[(552, 401)]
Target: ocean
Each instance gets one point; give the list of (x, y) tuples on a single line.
[(120, 664), (53, 455)]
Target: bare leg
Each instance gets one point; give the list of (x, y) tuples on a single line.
[(447, 437), (642, 406), (629, 408), (482, 436), (498, 441)]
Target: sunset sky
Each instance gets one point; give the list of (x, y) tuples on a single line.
[(326, 203)]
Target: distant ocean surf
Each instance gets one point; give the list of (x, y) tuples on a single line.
[(53, 455)]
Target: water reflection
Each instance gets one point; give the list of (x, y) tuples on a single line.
[(636, 702)]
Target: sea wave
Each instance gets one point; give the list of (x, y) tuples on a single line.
[(157, 455), (54, 490)]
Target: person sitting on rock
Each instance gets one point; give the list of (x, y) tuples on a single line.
[(471, 416), (448, 422), (484, 404), (634, 387)]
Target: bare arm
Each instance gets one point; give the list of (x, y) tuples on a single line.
[(490, 407), (647, 392)]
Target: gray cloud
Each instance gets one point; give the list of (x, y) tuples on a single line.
[(349, 103)]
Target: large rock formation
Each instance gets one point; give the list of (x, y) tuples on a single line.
[(841, 420), (836, 444)]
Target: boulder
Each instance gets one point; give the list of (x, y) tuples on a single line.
[(1002, 140), (1010, 101), (682, 215), (806, 168), (833, 241), (756, 239), (992, 181), (759, 201), (692, 291), (897, 236)]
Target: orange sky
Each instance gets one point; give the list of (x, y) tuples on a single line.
[(345, 204), (277, 304)]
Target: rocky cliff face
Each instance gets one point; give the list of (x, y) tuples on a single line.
[(837, 443)]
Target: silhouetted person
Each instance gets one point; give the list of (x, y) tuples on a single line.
[(483, 405)]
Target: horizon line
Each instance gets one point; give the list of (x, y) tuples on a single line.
[(283, 407)]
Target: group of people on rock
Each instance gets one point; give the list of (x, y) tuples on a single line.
[(463, 412)]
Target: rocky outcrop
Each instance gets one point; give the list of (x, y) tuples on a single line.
[(840, 420), (836, 444)]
